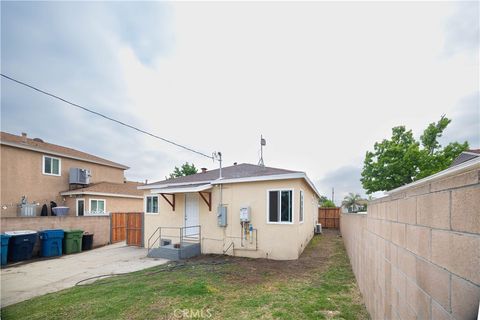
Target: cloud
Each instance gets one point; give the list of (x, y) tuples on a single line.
[(72, 49), (465, 125), (462, 30), (344, 180), (321, 88), (145, 27)]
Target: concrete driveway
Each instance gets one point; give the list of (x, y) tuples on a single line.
[(29, 280)]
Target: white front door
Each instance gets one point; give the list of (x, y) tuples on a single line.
[(191, 214)]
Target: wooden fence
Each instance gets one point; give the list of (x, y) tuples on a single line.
[(127, 226), (119, 226), (329, 217), (135, 229)]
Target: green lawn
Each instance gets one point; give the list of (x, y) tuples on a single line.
[(320, 285)]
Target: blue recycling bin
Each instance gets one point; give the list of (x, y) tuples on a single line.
[(20, 246), (4, 251), (51, 242)]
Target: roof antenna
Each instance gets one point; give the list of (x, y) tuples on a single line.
[(218, 156), (262, 143)]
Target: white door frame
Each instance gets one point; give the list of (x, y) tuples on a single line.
[(76, 205), (191, 231)]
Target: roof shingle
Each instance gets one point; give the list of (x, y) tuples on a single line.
[(466, 156), (243, 170), (45, 147), (127, 188)]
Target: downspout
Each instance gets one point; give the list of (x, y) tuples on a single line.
[(219, 154)]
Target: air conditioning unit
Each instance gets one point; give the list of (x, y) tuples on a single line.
[(79, 176), (318, 228)]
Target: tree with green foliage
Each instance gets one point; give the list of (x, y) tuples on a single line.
[(402, 159), (328, 204), (352, 202), (324, 202), (185, 170), (321, 200)]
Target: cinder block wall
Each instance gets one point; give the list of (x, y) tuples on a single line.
[(416, 253), (99, 226)]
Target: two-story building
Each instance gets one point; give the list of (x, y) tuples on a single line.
[(42, 172)]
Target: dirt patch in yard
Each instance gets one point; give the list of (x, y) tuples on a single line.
[(315, 258)]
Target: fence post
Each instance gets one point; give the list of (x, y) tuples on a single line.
[(142, 234)]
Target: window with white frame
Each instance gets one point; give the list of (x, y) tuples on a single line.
[(280, 204), (97, 206), (51, 166), (300, 217), (151, 204)]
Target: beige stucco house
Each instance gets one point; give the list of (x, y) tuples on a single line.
[(270, 213), (40, 171)]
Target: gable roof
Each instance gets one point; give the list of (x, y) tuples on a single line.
[(243, 172), (38, 145), (466, 156), (124, 190)]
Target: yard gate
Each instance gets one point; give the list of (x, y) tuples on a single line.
[(127, 226), (118, 225), (329, 217), (135, 229)]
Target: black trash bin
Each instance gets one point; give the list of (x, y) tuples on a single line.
[(87, 241), (20, 246)]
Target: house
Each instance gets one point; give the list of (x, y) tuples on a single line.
[(466, 156), (41, 172), (105, 197), (251, 211)]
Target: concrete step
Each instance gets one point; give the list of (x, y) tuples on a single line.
[(188, 250)]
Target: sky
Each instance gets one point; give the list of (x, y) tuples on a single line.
[(321, 81)]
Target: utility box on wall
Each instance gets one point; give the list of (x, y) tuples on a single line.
[(245, 214), (222, 216)]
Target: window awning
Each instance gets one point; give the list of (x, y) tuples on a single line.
[(190, 188)]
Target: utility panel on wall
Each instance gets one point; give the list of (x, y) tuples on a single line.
[(222, 216), (245, 214)]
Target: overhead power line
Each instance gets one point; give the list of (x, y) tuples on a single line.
[(105, 116)]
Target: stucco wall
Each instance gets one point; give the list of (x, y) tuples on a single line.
[(99, 226), (275, 241), (112, 204), (416, 253), (21, 174)]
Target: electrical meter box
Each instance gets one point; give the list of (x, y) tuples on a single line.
[(222, 216), (245, 214)]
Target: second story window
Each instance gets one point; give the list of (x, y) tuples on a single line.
[(51, 166)]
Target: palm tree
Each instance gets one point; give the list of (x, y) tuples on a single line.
[(352, 202)]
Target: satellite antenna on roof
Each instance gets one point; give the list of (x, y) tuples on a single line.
[(262, 143)]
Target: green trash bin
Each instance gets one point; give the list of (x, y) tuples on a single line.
[(72, 241)]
